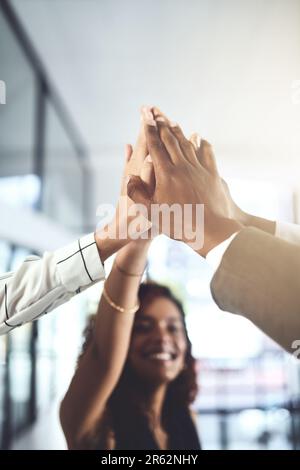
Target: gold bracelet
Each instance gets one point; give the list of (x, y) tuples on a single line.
[(117, 307), (126, 272)]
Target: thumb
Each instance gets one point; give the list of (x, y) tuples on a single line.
[(137, 191)]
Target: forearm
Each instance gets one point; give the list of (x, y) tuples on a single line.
[(41, 284), (101, 365), (113, 328), (108, 245), (258, 278)]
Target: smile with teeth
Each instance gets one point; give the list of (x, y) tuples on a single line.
[(161, 356)]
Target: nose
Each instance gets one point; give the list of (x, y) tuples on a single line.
[(161, 335)]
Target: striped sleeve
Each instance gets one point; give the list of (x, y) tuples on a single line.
[(41, 284)]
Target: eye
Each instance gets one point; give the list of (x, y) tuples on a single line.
[(142, 327), (175, 328)]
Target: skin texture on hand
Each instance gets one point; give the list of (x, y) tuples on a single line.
[(222, 215), (206, 157), (136, 163), (183, 180)]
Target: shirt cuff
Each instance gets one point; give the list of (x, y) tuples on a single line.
[(288, 232), (214, 256), (79, 264)]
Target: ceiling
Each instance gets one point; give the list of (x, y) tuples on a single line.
[(225, 69)]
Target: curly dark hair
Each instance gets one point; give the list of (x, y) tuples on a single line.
[(126, 408)]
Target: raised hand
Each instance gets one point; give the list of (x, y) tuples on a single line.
[(182, 180), (206, 157), (128, 222)]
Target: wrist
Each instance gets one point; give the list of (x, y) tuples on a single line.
[(131, 271), (217, 230), (133, 257), (106, 244), (139, 246)]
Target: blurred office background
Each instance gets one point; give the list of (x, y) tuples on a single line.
[(76, 73)]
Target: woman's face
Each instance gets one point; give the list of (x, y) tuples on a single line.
[(158, 343)]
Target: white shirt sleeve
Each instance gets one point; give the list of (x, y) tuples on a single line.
[(42, 284), (214, 256), (288, 232), (284, 230)]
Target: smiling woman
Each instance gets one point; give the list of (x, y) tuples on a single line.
[(159, 348), (149, 406), (136, 377)]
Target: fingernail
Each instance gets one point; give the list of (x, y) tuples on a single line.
[(160, 119), (148, 159), (173, 124), (198, 140), (127, 179), (146, 111), (148, 116)]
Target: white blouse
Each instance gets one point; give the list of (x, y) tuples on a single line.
[(41, 284)]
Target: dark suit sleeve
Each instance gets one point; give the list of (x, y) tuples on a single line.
[(259, 278)]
